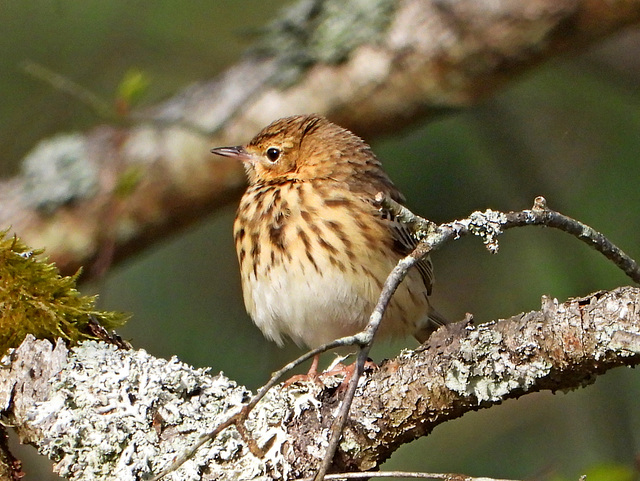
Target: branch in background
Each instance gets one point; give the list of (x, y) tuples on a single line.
[(415, 59)]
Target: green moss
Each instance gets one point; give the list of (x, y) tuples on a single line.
[(325, 31), (35, 299)]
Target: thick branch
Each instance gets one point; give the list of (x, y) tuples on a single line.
[(97, 197), (134, 413)]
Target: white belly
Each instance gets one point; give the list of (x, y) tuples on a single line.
[(310, 308)]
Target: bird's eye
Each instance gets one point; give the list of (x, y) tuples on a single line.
[(273, 154)]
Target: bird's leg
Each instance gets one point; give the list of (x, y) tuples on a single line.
[(311, 375), (347, 371), (313, 369)]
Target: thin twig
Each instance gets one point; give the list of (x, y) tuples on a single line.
[(488, 225), (65, 84), (101, 107), (542, 215), (406, 474), (364, 339), (391, 284), (420, 226)]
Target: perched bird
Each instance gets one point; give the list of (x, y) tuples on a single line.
[(314, 250)]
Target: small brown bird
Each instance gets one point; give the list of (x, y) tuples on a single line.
[(314, 250)]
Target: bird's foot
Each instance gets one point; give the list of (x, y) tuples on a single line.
[(340, 369), (337, 368), (311, 375)]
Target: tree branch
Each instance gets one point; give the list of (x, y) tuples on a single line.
[(490, 224), (95, 198), (101, 413)]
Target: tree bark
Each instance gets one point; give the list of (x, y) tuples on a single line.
[(95, 198), (106, 413)]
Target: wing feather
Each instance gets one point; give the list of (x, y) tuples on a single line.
[(404, 243)]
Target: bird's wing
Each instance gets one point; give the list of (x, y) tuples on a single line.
[(404, 242)]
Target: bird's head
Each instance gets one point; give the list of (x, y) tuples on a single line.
[(302, 148)]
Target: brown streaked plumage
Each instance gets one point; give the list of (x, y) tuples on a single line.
[(313, 250)]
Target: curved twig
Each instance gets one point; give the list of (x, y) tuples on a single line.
[(488, 225)]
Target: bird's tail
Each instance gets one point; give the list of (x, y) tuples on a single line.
[(431, 323)]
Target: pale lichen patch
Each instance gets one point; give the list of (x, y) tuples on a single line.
[(116, 414), (59, 171), (485, 370)]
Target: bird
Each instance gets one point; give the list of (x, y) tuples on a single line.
[(314, 248)]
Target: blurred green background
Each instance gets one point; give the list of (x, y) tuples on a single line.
[(569, 130)]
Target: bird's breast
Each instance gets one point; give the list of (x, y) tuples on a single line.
[(313, 260)]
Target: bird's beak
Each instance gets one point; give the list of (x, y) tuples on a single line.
[(237, 152)]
